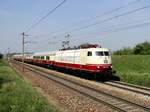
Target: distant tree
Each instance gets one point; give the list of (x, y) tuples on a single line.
[(142, 48), (139, 49), (1, 56), (124, 51)]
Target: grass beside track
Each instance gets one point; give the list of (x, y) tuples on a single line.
[(133, 69), (18, 96)]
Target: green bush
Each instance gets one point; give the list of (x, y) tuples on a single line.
[(142, 48), (139, 49), (133, 68), (124, 51)]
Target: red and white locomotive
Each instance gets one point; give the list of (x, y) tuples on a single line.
[(96, 61)]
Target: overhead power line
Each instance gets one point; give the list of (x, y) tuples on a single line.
[(40, 20), (129, 27), (108, 12), (112, 18), (107, 19), (114, 26), (120, 29), (98, 16)]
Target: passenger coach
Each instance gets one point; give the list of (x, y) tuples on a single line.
[(96, 61)]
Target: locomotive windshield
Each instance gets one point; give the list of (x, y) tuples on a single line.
[(102, 53)]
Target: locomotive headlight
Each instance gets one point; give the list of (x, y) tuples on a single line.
[(98, 67)]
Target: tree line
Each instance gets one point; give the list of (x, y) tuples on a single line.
[(139, 49)]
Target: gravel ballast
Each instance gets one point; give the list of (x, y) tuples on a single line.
[(75, 102), (68, 99)]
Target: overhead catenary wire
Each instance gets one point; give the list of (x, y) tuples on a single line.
[(112, 11), (112, 18), (118, 29), (37, 23), (104, 32), (107, 19), (111, 27), (128, 27), (98, 16), (41, 19), (113, 30)]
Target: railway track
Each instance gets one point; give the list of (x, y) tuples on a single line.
[(92, 93), (130, 87)]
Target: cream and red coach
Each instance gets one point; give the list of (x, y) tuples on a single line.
[(92, 60)]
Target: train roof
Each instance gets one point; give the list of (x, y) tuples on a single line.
[(44, 53), (53, 52), (98, 49), (86, 49)]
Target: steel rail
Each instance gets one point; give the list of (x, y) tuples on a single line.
[(46, 75), (83, 93), (129, 88), (132, 85)]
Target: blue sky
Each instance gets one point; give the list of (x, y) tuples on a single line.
[(16, 16)]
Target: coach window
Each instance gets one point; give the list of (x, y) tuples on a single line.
[(47, 57), (42, 57), (89, 53)]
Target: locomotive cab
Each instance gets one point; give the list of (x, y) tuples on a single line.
[(98, 56)]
